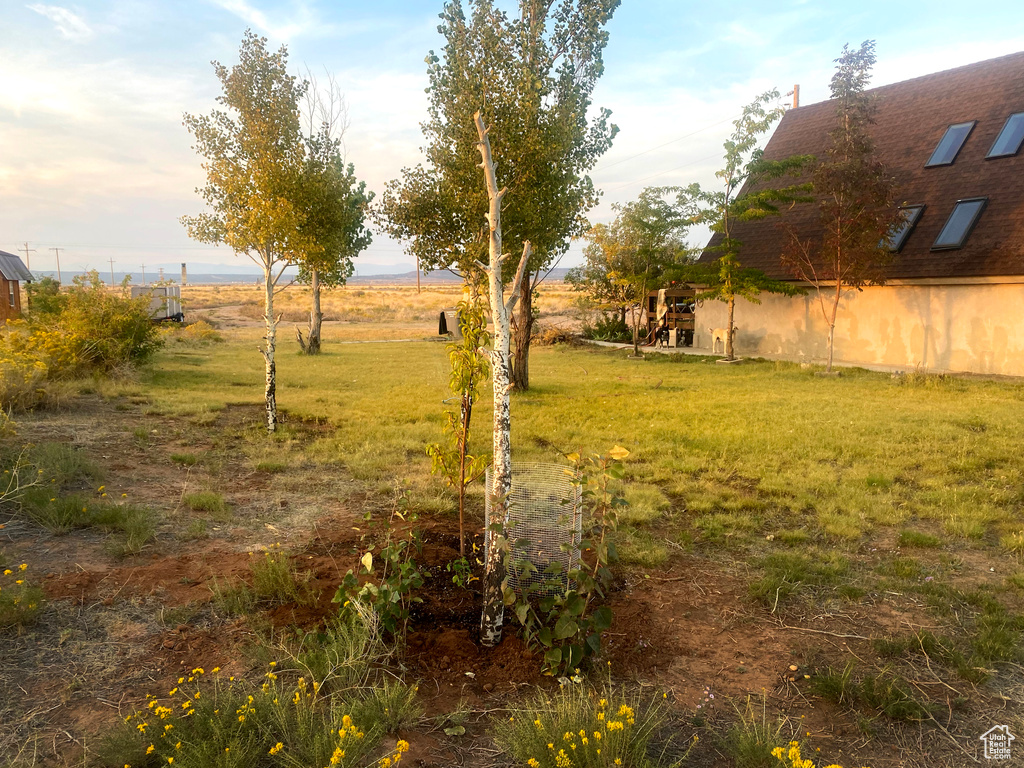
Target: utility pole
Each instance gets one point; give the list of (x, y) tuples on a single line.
[(111, 260), (28, 266), (28, 261), (57, 251), (143, 274)]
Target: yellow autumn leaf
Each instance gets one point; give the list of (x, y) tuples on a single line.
[(367, 561), (618, 453)]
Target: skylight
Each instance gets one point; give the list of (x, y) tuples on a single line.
[(1009, 139), (911, 213), (952, 141), (959, 224)]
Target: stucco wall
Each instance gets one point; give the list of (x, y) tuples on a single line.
[(976, 328)]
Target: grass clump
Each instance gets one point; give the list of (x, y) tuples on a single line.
[(390, 704), (224, 722), (205, 501), (788, 574), (883, 692), (587, 728), (751, 738), (1014, 543), (274, 581), (20, 600), (62, 514), (918, 540), (185, 459), (63, 464)]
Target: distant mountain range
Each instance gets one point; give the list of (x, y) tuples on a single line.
[(219, 274)]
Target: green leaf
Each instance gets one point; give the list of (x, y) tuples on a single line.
[(565, 627), (593, 643), (544, 635), (553, 658), (575, 605), (455, 730), (601, 620), (522, 611), (574, 657)]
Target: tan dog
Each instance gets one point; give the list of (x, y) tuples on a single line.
[(720, 335)]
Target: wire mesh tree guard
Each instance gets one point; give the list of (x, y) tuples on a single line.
[(545, 521)]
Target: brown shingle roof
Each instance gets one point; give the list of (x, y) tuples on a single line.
[(912, 118)]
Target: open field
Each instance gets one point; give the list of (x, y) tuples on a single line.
[(846, 551)]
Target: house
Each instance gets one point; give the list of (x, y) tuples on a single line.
[(954, 296), (12, 272)]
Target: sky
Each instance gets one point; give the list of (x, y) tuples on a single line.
[(94, 159)]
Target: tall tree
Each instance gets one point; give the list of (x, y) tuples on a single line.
[(493, 615), (629, 258), (334, 203), (746, 194), (532, 78), (254, 155), (593, 278), (856, 197)]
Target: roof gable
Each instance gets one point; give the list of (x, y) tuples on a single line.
[(12, 268), (912, 118)]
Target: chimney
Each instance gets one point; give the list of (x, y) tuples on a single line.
[(796, 95), (184, 274)]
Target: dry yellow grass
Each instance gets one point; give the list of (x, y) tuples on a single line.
[(401, 307)]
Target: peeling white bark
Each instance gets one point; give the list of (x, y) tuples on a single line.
[(493, 614), (269, 349)]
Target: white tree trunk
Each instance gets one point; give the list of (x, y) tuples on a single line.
[(493, 615), (271, 345)]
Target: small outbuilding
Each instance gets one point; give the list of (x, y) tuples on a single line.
[(12, 273)]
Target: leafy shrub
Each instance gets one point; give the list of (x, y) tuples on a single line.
[(84, 328), (608, 328), (386, 583), (557, 615), (22, 376), (584, 728)]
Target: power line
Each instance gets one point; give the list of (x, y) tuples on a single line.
[(662, 173), (660, 146)]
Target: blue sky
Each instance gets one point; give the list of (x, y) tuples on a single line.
[(94, 159)]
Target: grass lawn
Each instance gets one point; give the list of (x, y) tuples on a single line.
[(723, 453), (843, 554)]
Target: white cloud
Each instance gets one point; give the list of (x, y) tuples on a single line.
[(70, 25), (302, 22)]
